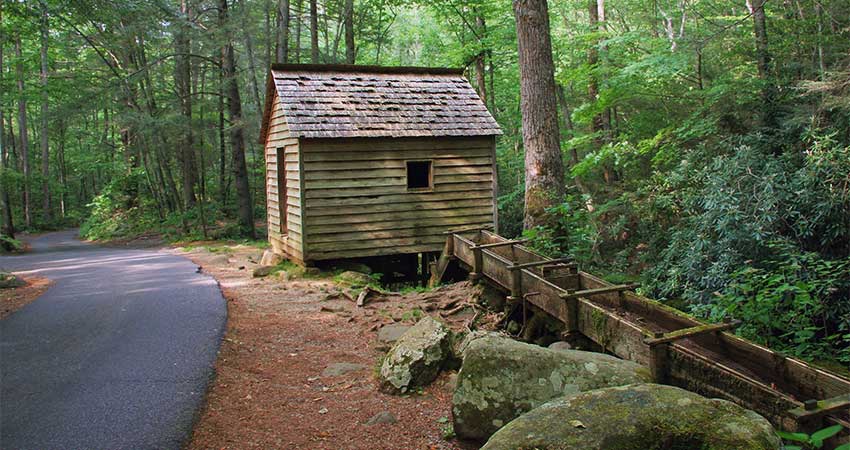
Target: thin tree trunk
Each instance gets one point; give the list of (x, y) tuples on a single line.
[(314, 32), (600, 124), (283, 32), (237, 137), (45, 99), (349, 32), (756, 8), (8, 227), (222, 150), (60, 160), (299, 4), (22, 131), (480, 75), (544, 169), (252, 65), (183, 79)]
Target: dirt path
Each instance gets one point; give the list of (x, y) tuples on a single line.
[(13, 299), (270, 390)]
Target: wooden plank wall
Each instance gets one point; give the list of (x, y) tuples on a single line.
[(290, 242), (357, 202)]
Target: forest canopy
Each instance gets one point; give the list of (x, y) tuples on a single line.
[(705, 143)]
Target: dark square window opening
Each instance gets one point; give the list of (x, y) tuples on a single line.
[(419, 175)]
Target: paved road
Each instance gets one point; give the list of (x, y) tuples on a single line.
[(117, 354)]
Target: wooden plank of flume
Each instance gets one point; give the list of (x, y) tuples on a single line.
[(679, 349)]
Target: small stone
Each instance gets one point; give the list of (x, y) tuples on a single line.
[(451, 382), (263, 271), (323, 411), (337, 369), (383, 417), (270, 258)]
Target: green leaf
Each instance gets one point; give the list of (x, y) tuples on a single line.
[(792, 447), (843, 447), (826, 433), (794, 437)]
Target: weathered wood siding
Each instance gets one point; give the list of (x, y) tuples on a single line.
[(357, 202), (279, 141)]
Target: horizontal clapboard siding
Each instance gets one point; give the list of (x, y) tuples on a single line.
[(356, 200), (288, 241)]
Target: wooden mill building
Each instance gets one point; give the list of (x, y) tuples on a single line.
[(371, 161)]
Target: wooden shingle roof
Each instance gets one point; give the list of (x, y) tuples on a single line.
[(338, 101)]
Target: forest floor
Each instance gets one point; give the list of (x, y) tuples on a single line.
[(297, 367), (13, 299)]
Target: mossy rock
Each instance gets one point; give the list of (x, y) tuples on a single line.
[(8, 281), (637, 417), (501, 378), (354, 279), (417, 357)]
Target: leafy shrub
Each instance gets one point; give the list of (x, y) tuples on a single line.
[(794, 302)]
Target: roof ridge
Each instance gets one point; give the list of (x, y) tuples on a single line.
[(353, 68)]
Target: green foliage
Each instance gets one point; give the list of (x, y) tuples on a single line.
[(813, 441), (794, 302), (10, 245), (117, 212)]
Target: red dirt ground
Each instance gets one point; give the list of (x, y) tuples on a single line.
[(14, 299), (269, 391)]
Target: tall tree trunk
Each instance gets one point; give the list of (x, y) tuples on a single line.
[(182, 78), (600, 124), (8, 227), (45, 99), (60, 159), (283, 32), (299, 5), (237, 136), (349, 32), (314, 32), (22, 131), (768, 91), (480, 75), (222, 150), (544, 169), (252, 65)]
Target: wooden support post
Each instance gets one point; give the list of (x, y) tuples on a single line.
[(516, 286), (812, 414), (477, 264), (572, 316), (658, 355), (602, 290)]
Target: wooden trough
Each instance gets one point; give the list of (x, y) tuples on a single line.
[(679, 349)]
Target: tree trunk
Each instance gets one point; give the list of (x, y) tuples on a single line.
[(60, 159), (237, 136), (283, 32), (252, 65), (480, 75), (600, 124), (544, 169), (756, 8), (314, 32), (182, 82), (299, 4), (8, 227), (45, 99), (222, 151), (349, 32), (22, 131)]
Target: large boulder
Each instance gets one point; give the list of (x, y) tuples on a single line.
[(502, 378), (640, 416), (417, 357)]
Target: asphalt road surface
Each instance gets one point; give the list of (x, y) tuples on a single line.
[(117, 354)]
